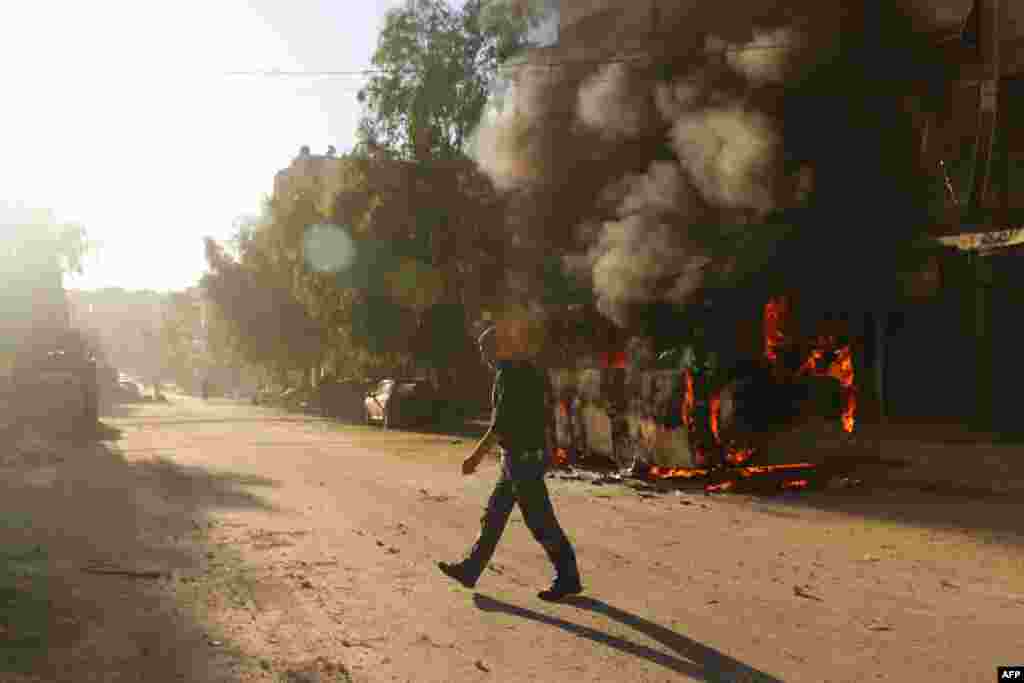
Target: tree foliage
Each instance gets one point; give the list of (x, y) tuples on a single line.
[(32, 239), (417, 233), (441, 336), (426, 234), (36, 251), (438, 65), (270, 325), (180, 355)]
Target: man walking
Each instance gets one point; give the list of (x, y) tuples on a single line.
[(521, 400)]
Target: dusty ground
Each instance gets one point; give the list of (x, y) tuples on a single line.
[(299, 550)]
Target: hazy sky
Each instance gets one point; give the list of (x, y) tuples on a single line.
[(116, 114)]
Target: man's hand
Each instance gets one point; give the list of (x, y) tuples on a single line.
[(470, 464)]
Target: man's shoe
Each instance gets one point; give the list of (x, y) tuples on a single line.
[(560, 590), (457, 572)]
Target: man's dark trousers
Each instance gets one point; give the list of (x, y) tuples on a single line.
[(522, 481)]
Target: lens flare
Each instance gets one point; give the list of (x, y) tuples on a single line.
[(328, 248)]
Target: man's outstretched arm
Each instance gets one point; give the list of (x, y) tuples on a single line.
[(489, 439), (485, 444)]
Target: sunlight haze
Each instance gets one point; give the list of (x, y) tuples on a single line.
[(119, 115)]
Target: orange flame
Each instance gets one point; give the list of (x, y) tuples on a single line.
[(614, 359), (766, 469), (744, 472), (688, 400), (718, 488), (738, 456), (676, 472), (840, 368), (775, 312), (561, 457), (734, 454), (795, 484), (716, 409)]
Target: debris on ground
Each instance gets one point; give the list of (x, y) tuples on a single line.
[(319, 670), (879, 626), (131, 573), (433, 498), (480, 665), (802, 592), (367, 643), (424, 638), (844, 483)]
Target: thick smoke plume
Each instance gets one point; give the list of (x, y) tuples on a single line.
[(639, 165)]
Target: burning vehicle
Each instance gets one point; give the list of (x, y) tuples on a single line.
[(782, 167), (694, 411)]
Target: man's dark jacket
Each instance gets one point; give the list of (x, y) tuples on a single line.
[(521, 399)]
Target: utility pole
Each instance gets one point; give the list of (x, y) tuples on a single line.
[(990, 18)]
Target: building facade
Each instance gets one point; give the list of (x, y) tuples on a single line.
[(308, 172)]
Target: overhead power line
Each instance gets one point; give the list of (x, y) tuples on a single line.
[(542, 63)]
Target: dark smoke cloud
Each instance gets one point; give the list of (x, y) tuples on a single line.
[(625, 163)]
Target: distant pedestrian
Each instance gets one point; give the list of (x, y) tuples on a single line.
[(520, 421)]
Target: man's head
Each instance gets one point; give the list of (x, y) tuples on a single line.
[(487, 342)]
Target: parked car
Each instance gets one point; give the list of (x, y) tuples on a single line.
[(394, 403), (343, 399), (57, 388)]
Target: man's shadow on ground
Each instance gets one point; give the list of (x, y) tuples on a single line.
[(701, 662)]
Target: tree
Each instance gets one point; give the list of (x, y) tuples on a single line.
[(441, 336), (402, 217), (177, 339), (271, 327), (36, 251), (35, 239), (438, 66)]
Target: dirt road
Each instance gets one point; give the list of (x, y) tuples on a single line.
[(304, 550)]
